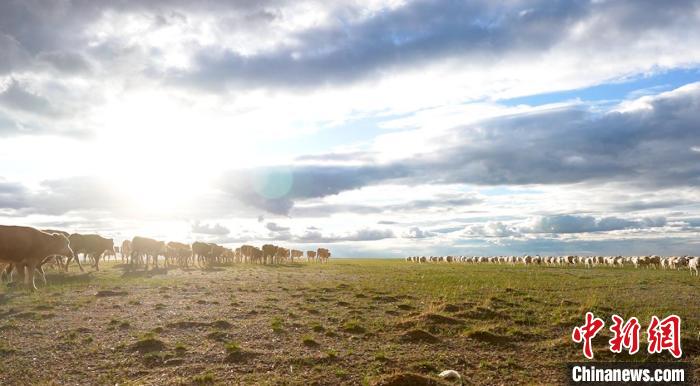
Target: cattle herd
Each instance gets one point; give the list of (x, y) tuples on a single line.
[(26, 251), (668, 262)]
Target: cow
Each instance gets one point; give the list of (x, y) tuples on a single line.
[(247, 253), (125, 250), (201, 252), (282, 255), (217, 252), (296, 253), (269, 252), (237, 255), (256, 254), (148, 249), (323, 254), (310, 256), (178, 253), (28, 249), (92, 246)]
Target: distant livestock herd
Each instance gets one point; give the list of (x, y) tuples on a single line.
[(668, 262), (27, 250)]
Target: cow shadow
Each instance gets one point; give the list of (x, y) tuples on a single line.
[(59, 278), (141, 273)]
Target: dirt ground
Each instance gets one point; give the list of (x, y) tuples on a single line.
[(346, 322)]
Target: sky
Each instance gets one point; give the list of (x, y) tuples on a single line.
[(374, 128)]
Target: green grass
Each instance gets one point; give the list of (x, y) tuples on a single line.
[(511, 323), (232, 348)]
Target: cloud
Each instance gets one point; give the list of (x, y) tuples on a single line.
[(17, 98), (580, 224), (367, 234), (66, 61), (417, 233), (324, 210), (491, 229), (12, 195), (645, 145), (209, 229), (347, 49), (273, 227)]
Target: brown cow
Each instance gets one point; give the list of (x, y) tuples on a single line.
[(126, 250), (143, 247), (256, 254), (201, 252), (269, 252), (29, 248), (217, 252), (282, 255), (249, 255), (93, 246), (323, 255), (179, 253), (310, 256), (296, 253)]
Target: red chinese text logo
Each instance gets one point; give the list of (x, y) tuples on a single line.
[(587, 332), (662, 335), (665, 334), (624, 335)]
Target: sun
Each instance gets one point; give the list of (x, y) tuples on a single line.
[(160, 155)]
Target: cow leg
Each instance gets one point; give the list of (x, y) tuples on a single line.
[(43, 274), (31, 268), (77, 260)]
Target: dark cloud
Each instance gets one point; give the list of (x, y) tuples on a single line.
[(18, 98), (648, 147), (633, 206), (209, 229), (12, 195), (579, 224), (58, 197), (274, 227), (420, 32), (66, 61)]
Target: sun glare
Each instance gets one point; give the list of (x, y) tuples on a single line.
[(164, 154)]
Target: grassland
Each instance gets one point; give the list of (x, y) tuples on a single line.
[(347, 322)]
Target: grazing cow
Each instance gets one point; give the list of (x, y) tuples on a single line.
[(125, 250), (282, 255), (296, 253), (179, 253), (217, 252), (269, 252), (310, 256), (237, 255), (92, 246), (201, 252), (256, 254), (147, 249), (323, 254), (29, 248), (247, 253)]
